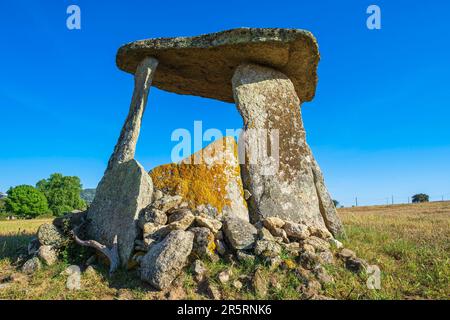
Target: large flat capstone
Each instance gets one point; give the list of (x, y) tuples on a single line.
[(204, 65)]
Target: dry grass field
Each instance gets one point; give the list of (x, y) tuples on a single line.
[(410, 244)]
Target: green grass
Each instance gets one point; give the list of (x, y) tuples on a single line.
[(410, 244)]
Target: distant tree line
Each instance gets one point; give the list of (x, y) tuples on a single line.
[(53, 196)]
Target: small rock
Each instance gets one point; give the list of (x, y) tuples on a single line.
[(281, 233), (204, 245), (239, 233), (267, 248), (48, 255), (198, 268), (165, 260), (5, 285), (245, 257), (296, 231), (224, 276), (212, 224), (272, 223), (259, 283), (274, 262), (292, 248), (264, 234), (152, 215), (247, 194), (74, 279), (90, 270), (318, 243), (326, 257), (305, 247), (309, 260), (167, 203), (181, 219), (320, 233), (322, 275), (32, 265), (237, 284), (346, 254), (213, 292)]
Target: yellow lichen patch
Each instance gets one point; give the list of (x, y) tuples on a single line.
[(203, 177)]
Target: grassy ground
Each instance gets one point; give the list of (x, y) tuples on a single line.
[(410, 244)]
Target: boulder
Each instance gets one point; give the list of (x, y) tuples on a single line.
[(122, 193), (167, 203), (48, 255), (212, 224), (296, 231), (208, 178), (318, 243), (152, 215), (204, 245), (239, 233), (49, 235), (31, 266), (269, 249), (165, 260), (273, 223)]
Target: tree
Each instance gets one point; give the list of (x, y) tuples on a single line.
[(336, 203), (420, 197), (26, 201), (62, 193)]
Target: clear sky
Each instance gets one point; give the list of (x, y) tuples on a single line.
[(378, 126)]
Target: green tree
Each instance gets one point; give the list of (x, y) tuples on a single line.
[(420, 197), (26, 201), (62, 193), (336, 203)]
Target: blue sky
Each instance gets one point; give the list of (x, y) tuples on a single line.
[(378, 125)]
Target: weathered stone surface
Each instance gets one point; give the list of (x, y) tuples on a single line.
[(260, 283), (296, 231), (203, 65), (48, 255), (126, 145), (212, 224), (122, 193), (267, 248), (152, 215), (167, 203), (347, 253), (73, 281), (165, 260), (273, 223), (284, 184), (210, 177), (50, 235), (204, 245), (31, 266), (356, 264), (239, 233), (318, 243)]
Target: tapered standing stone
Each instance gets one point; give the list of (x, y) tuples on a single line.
[(279, 170), (126, 188)]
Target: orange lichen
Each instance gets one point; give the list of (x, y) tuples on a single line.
[(200, 183)]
